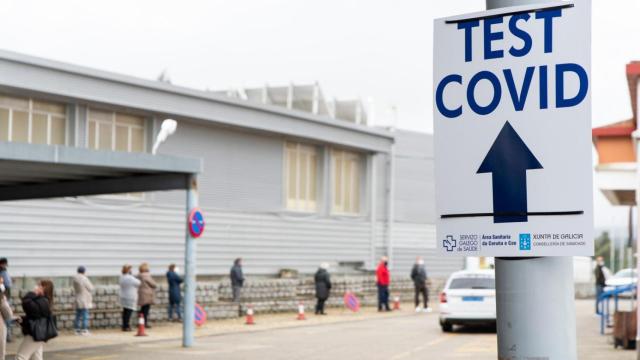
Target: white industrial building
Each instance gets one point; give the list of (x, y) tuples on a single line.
[(289, 179)]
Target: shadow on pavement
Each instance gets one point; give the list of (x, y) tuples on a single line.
[(474, 329)]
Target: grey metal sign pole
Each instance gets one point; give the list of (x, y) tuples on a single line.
[(534, 296), (188, 325)]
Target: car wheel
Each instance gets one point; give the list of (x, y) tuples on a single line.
[(446, 326)]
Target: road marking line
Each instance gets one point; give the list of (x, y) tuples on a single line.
[(482, 345), (100, 357), (415, 350), (439, 340)]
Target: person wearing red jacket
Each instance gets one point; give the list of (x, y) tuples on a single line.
[(383, 279)]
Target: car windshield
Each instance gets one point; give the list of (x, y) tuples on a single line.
[(473, 283), (626, 273)]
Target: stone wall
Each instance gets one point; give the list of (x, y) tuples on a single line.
[(265, 295)]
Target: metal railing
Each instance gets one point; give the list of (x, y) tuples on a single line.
[(604, 301)]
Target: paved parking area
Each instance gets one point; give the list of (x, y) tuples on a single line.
[(402, 335)]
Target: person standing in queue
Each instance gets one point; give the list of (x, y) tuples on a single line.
[(237, 279), (601, 278), (82, 288), (37, 325), (146, 292), (175, 297), (323, 287), (419, 277), (6, 317), (128, 296), (383, 279)]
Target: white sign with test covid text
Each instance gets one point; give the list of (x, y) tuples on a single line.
[(512, 127)]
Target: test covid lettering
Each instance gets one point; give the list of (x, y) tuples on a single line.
[(503, 83)]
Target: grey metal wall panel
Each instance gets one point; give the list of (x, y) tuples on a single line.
[(414, 181), (382, 185), (51, 238), (407, 235), (242, 171), (81, 123), (415, 190), (270, 242), (414, 144)]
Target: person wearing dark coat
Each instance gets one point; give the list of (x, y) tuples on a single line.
[(601, 279), (323, 287), (237, 279), (419, 277), (175, 297), (37, 304)]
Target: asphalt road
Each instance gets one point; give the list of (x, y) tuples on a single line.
[(405, 336)]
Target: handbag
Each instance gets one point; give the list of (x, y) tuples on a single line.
[(52, 328), (43, 329)]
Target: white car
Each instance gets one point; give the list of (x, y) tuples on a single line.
[(622, 278), (468, 297)]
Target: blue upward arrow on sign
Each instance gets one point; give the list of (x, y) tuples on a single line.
[(508, 161)]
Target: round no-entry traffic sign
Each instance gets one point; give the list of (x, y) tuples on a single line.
[(351, 301), (200, 315), (196, 223)]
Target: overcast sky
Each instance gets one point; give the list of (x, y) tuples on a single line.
[(369, 49)]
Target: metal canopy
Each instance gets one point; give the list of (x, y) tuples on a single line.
[(30, 171)]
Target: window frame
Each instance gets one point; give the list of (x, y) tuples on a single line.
[(309, 206), (357, 194), (50, 116), (114, 125)]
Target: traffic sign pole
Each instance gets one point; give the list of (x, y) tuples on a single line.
[(534, 296), (188, 325)]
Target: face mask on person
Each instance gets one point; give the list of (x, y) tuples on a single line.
[(420, 262), (386, 263), (2, 288)]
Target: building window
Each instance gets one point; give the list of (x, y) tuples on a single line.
[(108, 130), (301, 169), (32, 121), (346, 181)]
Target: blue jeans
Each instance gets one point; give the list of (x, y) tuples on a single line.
[(599, 291), (8, 324), (178, 309), (82, 319)]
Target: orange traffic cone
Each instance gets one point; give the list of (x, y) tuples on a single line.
[(396, 303), (301, 311), (141, 325), (249, 320)]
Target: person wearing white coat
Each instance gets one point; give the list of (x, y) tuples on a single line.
[(128, 296), (6, 316), (82, 288)]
